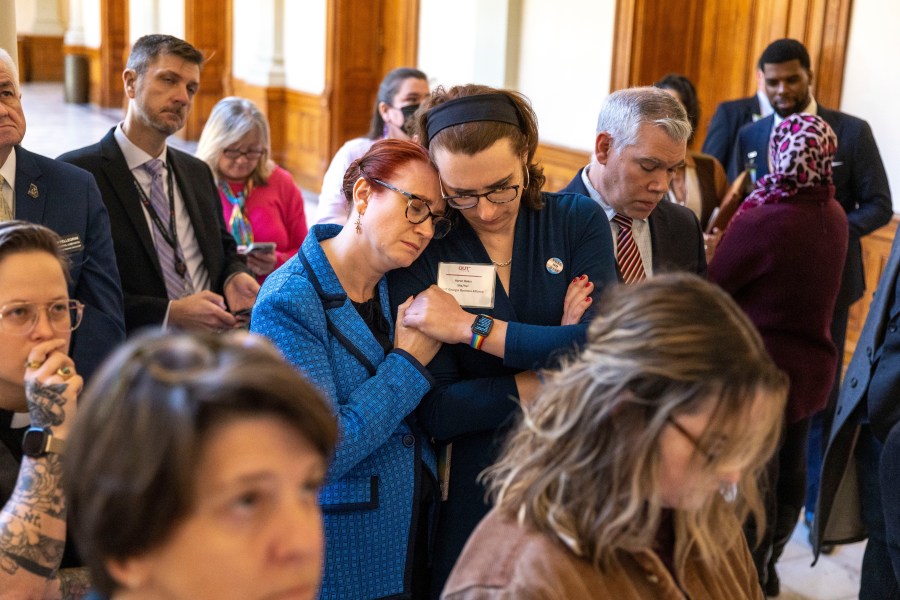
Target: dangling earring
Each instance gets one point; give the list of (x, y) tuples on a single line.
[(527, 178), (358, 226)]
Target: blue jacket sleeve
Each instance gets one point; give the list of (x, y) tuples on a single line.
[(102, 326), (590, 253), (457, 407), (295, 322)]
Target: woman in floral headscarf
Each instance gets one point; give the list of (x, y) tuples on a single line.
[(781, 259)]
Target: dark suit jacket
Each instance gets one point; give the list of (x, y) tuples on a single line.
[(860, 182), (146, 300), (68, 202), (838, 506), (723, 129), (676, 239)]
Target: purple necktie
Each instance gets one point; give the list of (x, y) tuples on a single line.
[(627, 254), (171, 260)]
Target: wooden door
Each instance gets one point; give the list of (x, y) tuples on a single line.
[(366, 39), (717, 44)]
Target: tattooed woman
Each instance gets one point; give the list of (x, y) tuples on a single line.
[(38, 391)]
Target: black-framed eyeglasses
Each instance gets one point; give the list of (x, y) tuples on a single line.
[(417, 211), (235, 153), (710, 452), (21, 317), (501, 195)]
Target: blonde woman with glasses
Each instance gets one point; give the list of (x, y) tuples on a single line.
[(262, 206), (629, 475)]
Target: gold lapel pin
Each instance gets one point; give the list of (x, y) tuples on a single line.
[(32, 191)]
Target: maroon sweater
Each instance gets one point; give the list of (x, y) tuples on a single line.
[(782, 264)]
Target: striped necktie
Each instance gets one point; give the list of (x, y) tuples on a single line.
[(627, 255), (5, 212), (171, 260)]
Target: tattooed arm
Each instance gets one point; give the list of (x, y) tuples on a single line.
[(33, 521), (69, 584)]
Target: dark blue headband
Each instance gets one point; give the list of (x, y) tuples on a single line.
[(484, 107)]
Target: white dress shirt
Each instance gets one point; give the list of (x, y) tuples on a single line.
[(193, 257), (640, 228)]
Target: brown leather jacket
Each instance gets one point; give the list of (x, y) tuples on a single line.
[(504, 561)]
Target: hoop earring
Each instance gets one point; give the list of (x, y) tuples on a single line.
[(527, 178), (358, 226)]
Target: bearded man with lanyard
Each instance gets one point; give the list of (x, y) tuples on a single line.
[(178, 264)]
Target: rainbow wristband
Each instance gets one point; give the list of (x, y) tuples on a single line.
[(477, 341)]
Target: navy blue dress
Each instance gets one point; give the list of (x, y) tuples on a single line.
[(475, 398)]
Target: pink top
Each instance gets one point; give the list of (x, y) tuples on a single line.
[(276, 214)]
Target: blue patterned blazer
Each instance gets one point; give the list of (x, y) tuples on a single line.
[(372, 489)]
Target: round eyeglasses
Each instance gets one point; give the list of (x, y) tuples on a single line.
[(235, 153), (501, 195), (21, 317), (417, 211)]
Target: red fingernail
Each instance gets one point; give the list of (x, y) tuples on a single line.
[(587, 283), (583, 277), (588, 299), (574, 280)]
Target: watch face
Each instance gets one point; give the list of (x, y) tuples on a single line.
[(482, 325), (34, 441)]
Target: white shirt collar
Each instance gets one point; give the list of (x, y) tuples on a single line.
[(765, 107), (811, 109), (134, 156), (8, 170), (596, 197)]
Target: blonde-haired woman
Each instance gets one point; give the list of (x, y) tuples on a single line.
[(631, 472), (260, 201)]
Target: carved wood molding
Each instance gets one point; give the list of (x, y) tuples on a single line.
[(298, 122), (40, 57)]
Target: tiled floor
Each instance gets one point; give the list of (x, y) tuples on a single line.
[(55, 127)]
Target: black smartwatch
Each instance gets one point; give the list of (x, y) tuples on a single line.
[(480, 330), (39, 442)]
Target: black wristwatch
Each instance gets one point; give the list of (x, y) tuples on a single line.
[(480, 330), (40, 441)]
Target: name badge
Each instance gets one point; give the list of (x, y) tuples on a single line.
[(471, 284), (70, 244)]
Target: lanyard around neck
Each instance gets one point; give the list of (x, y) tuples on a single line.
[(170, 235)]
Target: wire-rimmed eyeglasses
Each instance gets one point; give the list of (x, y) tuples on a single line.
[(20, 318)]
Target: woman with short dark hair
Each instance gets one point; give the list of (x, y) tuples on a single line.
[(194, 468), (39, 388)]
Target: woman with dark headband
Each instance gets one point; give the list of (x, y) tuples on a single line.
[(327, 310), (781, 259), (520, 261)]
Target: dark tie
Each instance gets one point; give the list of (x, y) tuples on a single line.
[(627, 254), (171, 260)]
